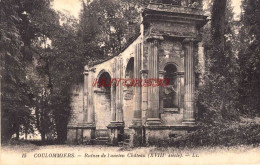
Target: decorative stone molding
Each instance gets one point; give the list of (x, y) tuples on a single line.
[(150, 38), (177, 61), (153, 121)]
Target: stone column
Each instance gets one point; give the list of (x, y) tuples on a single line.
[(81, 131), (189, 79), (89, 118), (119, 100), (113, 102), (113, 92), (144, 104), (136, 126), (85, 95), (153, 91), (116, 126), (137, 89), (120, 93)]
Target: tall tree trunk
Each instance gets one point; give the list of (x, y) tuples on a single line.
[(43, 136), (218, 21), (218, 33), (17, 132), (218, 47)]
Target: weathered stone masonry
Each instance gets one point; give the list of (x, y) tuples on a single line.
[(137, 115)]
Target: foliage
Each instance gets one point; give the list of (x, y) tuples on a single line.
[(43, 54), (217, 97), (26, 66), (221, 135), (15, 96), (107, 25), (249, 59)]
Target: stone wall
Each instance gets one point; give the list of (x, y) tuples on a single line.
[(116, 67), (102, 110), (128, 106), (77, 115), (76, 106), (167, 47)]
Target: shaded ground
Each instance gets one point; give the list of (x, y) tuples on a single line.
[(240, 145), (83, 154)]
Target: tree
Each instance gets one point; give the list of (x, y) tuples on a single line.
[(22, 24), (66, 65), (218, 96), (16, 113), (249, 59), (106, 26)]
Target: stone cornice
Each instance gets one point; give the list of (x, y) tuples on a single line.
[(177, 8), (154, 37), (175, 127), (116, 124)]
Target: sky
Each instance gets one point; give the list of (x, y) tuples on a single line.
[(74, 6)]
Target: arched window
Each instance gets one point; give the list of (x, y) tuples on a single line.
[(104, 83), (170, 99), (102, 102), (129, 73)]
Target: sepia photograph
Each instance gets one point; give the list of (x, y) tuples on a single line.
[(130, 82)]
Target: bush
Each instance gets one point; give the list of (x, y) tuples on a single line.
[(221, 135)]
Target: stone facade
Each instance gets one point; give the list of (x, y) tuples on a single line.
[(166, 47)]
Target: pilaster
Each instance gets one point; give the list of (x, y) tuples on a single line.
[(85, 94), (189, 79), (137, 90), (144, 104), (113, 102), (153, 91), (88, 125), (116, 126), (136, 126), (161, 76), (91, 117)]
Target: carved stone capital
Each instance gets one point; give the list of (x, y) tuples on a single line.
[(188, 40), (92, 70), (144, 71), (162, 72), (180, 73), (86, 70)]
